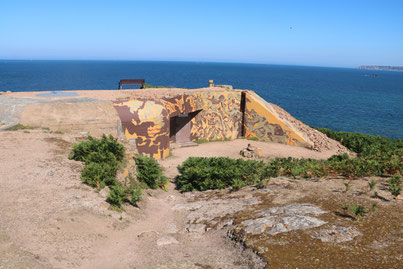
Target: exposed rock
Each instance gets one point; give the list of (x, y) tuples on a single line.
[(290, 210), (284, 219), (196, 228), (201, 211), (147, 234), (337, 234), (166, 240), (251, 152), (283, 181), (104, 192)]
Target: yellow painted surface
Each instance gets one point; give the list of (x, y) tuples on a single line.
[(264, 109)]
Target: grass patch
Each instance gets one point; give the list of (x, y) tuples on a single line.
[(146, 85), (201, 141), (20, 127)]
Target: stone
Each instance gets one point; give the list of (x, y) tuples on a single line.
[(104, 192), (251, 148), (284, 219), (207, 210), (337, 234), (196, 228), (291, 210), (251, 152), (166, 240), (147, 234)]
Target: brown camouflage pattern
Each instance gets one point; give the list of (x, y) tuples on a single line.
[(218, 116), (148, 120), (262, 122)]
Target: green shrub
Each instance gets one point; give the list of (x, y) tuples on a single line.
[(106, 149), (117, 196), (218, 172), (102, 158), (135, 196), (376, 154), (149, 172), (98, 175), (344, 208), (395, 179), (372, 184), (357, 210), (373, 206), (394, 189)]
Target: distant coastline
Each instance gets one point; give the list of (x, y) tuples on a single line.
[(381, 67)]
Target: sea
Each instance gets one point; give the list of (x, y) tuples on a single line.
[(342, 99)]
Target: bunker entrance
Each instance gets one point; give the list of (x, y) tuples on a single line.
[(180, 127)]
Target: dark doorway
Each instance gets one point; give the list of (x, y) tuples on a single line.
[(180, 127)]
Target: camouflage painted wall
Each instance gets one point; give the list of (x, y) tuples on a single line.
[(262, 122), (220, 116), (148, 120)]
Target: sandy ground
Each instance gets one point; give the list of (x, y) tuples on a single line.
[(50, 219)]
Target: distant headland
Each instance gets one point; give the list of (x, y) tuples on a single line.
[(381, 67)]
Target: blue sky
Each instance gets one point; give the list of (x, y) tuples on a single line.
[(322, 32)]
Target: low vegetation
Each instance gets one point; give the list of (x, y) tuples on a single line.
[(149, 172), (20, 127), (103, 157), (201, 141), (146, 85), (218, 172), (385, 154), (377, 155), (357, 210)]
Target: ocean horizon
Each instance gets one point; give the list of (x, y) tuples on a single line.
[(341, 99)]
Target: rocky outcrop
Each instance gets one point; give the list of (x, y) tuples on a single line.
[(251, 152)]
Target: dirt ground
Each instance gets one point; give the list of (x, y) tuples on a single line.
[(50, 219)]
